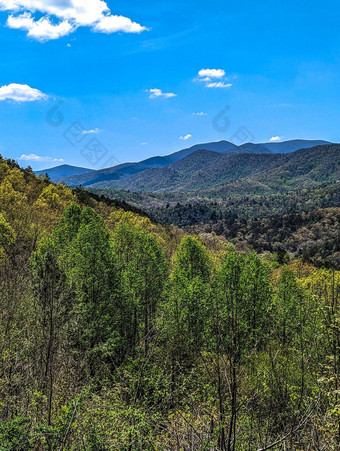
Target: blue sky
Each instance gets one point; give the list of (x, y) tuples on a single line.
[(136, 79)]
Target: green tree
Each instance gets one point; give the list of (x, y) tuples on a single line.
[(91, 270), (68, 226), (7, 234), (190, 262), (143, 271), (243, 299), (187, 307), (51, 302)]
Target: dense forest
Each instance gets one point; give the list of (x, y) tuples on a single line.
[(304, 223), (224, 174), (118, 332), (313, 236), (188, 209)]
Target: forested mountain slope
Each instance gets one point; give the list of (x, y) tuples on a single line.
[(119, 333), (240, 173), (125, 170), (306, 168), (201, 169), (184, 210), (282, 214), (311, 235)]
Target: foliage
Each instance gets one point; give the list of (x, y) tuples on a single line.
[(119, 333)]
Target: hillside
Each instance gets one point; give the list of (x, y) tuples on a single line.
[(33, 205), (312, 235), (306, 168), (218, 175), (302, 222), (119, 333), (185, 210), (126, 170), (202, 169)]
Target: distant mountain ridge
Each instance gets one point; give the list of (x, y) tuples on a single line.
[(58, 173), (293, 145), (201, 169), (303, 169), (88, 177), (125, 170), (211, 171)]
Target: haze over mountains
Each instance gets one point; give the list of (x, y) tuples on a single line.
[(114, 177)]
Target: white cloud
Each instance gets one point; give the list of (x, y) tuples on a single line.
[(37, 158), (95, 131), (211, 73), (185, 137), (82, 12), (199, 114), (213, 78), (219, 84), (21, 93), (41, 30), (67, 16), (144, 144), (113, 24), (275, 139), (206, 79), (154, 93)]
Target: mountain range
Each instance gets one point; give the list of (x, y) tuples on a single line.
[(211, 172), (207, 186), (109, 177)]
